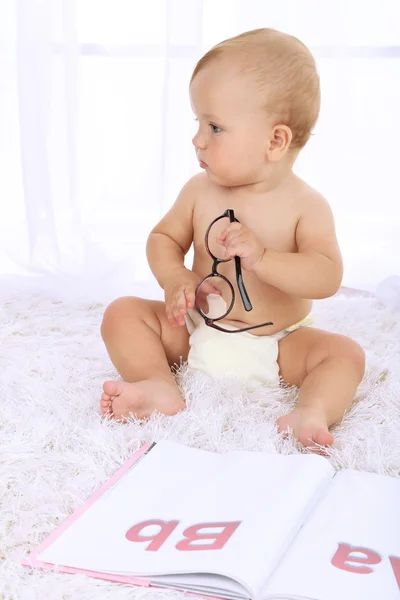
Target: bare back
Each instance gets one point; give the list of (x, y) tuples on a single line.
[(273, 217)]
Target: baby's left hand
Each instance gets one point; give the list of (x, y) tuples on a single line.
[(239, 240)]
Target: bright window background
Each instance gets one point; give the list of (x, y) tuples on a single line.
[(96, 125)]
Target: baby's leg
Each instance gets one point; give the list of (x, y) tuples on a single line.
[(327, 368), (142, 346)]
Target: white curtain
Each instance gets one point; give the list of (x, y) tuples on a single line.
[(96, 125)]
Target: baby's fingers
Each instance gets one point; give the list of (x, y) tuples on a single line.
[(190, 298), (181, 305), (170, 316), (208, 288), (179, 308)]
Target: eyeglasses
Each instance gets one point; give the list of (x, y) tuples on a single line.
[(211, 322)]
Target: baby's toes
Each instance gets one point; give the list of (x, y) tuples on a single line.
[(323, 437), (284, 426), (313, 437), (305, 436), (105, 404)]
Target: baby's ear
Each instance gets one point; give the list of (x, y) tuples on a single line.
[(278, 143)]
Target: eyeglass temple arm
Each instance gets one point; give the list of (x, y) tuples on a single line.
[(239, 278)]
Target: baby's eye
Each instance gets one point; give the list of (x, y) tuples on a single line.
[(215, 128)]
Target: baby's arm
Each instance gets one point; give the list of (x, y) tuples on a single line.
[(167, 245), (170, 240), (316, 269)]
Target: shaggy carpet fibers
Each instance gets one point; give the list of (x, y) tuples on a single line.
[(55, 450)]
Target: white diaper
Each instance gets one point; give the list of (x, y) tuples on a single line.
[(250, 358)]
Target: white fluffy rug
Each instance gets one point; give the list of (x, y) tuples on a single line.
[(56, 450)]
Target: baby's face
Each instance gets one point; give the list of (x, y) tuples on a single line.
[(233, 126)]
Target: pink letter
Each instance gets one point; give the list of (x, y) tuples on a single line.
[(395, 562), (343, 556), (192, 534), (166, 528)]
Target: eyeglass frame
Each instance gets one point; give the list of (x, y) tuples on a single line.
[(239, 281)]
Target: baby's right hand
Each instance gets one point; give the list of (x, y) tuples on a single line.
[(180, 295)]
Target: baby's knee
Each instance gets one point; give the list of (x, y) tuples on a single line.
[(120, 310), (353, 352)]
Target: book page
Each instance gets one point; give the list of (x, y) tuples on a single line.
[(182, 510), (209, 584), (350, 547)]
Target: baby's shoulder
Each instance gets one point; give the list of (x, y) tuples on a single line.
[(197, 183), (308, 198), (191, 191), (202, 193)]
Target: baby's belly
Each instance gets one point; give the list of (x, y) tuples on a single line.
[(268, 305), (281, 319), (282, 316)]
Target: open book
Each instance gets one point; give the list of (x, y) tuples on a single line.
[(236, 525)]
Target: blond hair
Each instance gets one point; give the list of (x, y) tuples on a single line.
[(282, 65)]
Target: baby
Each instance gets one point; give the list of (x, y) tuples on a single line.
[(256, 98)]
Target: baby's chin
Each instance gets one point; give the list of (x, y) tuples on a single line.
[(225, 180)]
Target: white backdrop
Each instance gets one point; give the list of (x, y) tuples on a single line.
[(96, 125)]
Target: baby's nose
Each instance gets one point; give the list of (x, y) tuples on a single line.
[(199, 141)]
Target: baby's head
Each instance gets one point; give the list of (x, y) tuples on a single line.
[(256, 97)]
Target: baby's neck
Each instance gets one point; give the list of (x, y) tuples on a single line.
[(277, 177)]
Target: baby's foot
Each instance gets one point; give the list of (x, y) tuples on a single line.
[(142, 398), (309, 425)]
